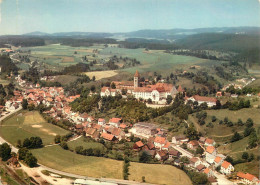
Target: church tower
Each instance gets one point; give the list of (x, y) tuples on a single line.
[(136, 79)]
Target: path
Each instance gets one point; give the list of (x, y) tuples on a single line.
[(184, 152)]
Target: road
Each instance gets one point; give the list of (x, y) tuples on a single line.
[(41, 167), (184, 152)]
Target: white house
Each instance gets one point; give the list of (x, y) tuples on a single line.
[(115, 122), (211, 154), (209, 172), (211, 101), (247, 178), (101, 121), (194, 162), (226, 168)]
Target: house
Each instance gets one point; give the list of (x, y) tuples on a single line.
[(138, 145), (218, 161), (202, 140), (143, 130), (210, 142), (247, 178), (161, 155), (79, 128), (13, 162), (226, 168), (193, 145), (83, 117), (108, 137), (118, 133), (159, 142), (101, 121), (210, 154), (208, 172), (115, 122), (200, 167), (174, 154), (194, 162), (179, 140), (210, 101)]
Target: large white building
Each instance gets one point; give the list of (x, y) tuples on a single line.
[(157, 93)]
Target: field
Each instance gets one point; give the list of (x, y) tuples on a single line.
[(158, 174), (153, 61), (242, 114), (4, 82), (101, 74), (85, 143), (28, 124), (64, 160), (67, 161)]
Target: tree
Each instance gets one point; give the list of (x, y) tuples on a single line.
[(169, 99), (25, 104), (93, 88), (236, 137), (200, 178), (252, 141), (57, 139), (213, 118), (245, 155), (5, 151), (64, 145), (149, 101), (22, 153), (113, 86), (199, 150), (249, 123), (144, 157), (30, 160)]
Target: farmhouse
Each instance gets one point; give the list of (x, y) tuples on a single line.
[(202, 99), (157, 93), (247, 178)]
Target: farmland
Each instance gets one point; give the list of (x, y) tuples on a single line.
[(153, 172), (29, 124), (101, 74), (56, 157), (85, 143)]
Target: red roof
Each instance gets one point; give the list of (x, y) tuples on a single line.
[(115, 120), (180, 89), (206, 171), (194, 143), (225, 164), (137, 74), (247, 176), (209, 141), (218, 159), (106, 136), (160, 140), (204, 98), (210, 149), (139, 144)]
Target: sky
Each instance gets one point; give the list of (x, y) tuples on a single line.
[(24, 16)]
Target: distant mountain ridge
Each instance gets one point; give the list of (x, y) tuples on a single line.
[(171, 34)]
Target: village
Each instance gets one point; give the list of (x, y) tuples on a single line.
[(153, 139)]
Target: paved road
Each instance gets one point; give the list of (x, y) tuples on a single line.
[(184, 152)]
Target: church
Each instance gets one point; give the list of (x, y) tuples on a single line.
[(157, 92)]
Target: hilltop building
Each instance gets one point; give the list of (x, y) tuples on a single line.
[(157, 92)]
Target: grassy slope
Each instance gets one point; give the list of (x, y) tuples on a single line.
[(21, 126), (67, 161), (86, 144), (158, 174)]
